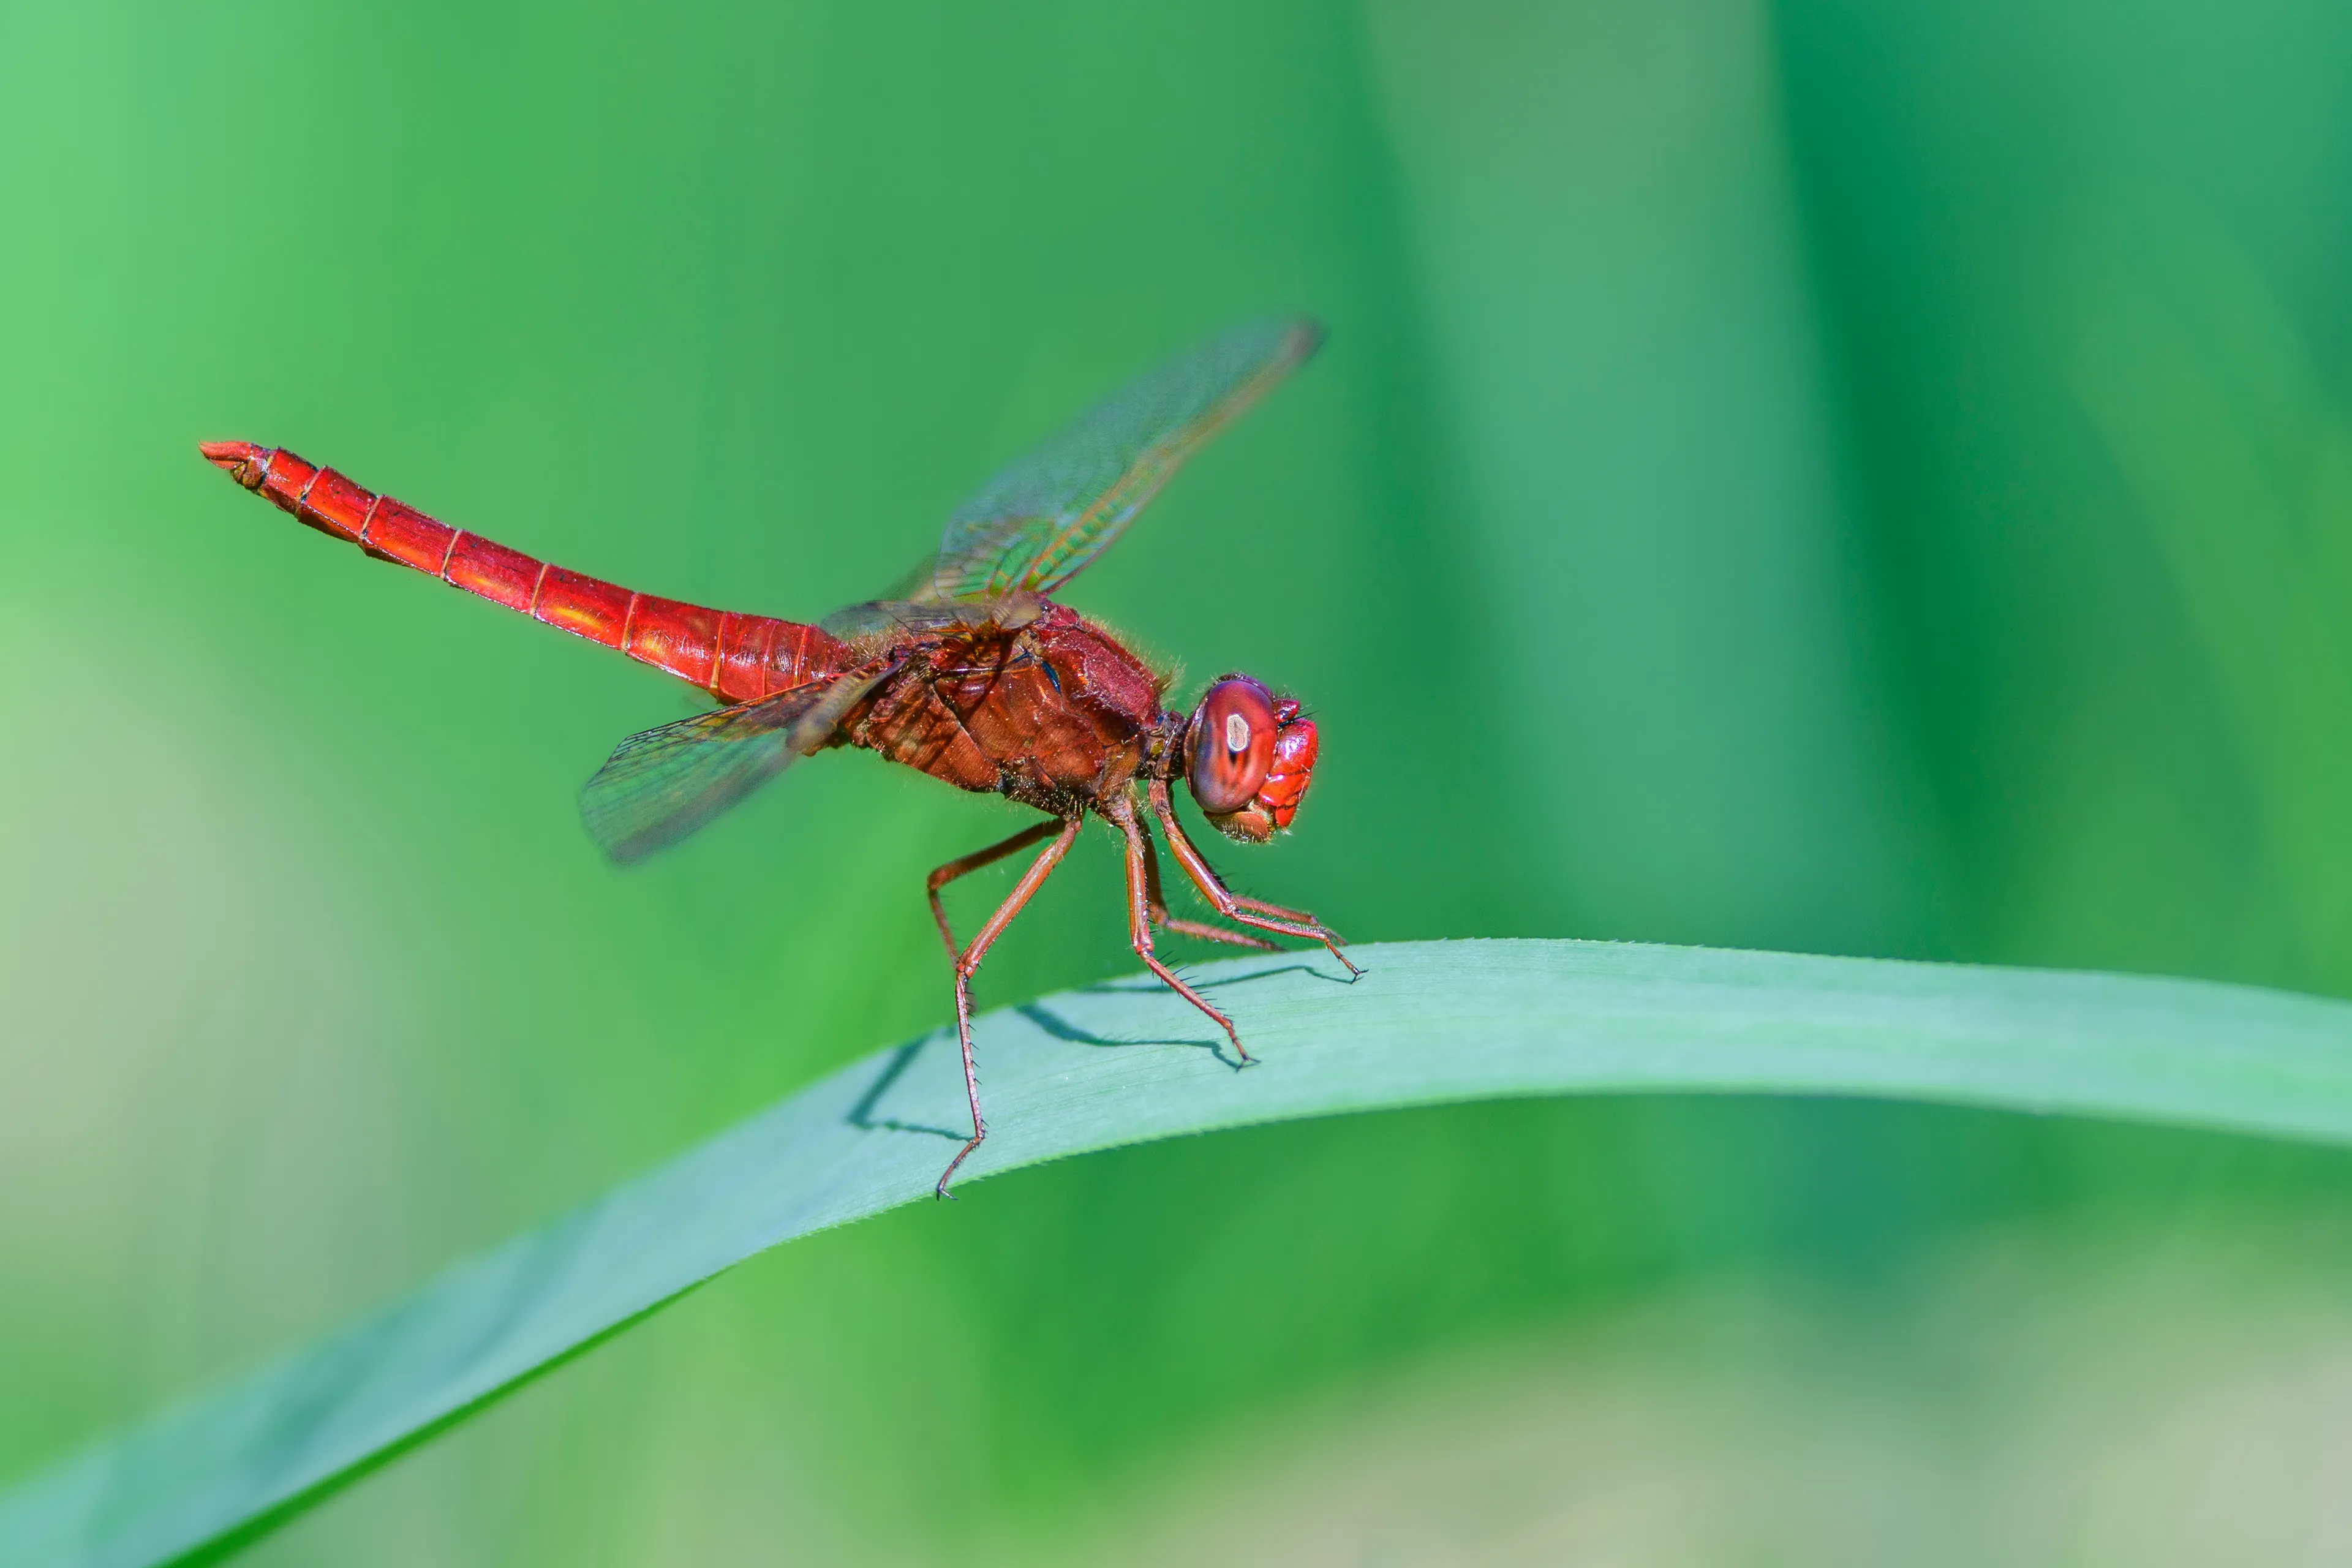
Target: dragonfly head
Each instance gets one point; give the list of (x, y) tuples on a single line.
[(1247, 755)]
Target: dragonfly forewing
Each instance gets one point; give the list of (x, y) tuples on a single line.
[(1052, 510)]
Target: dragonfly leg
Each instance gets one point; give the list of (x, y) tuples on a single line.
[(1139, 921), (1233, 906), (974, 862), (1202, 928), (969, 959)]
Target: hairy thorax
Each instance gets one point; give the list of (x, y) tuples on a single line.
[(1053, 714)]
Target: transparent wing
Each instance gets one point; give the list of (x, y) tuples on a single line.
[(1039, 522), (661, 786)]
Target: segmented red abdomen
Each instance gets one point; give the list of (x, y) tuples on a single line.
[(735, 658)]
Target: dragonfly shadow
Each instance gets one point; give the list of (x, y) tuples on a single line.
[(1134, 984), (1061, 1029), (861, 1115), (1306, 969)]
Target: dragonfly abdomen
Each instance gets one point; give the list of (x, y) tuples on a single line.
[(735, 658)]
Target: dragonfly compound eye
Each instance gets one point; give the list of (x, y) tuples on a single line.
[(1231, 742)]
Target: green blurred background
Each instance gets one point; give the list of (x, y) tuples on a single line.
[(1860, 476)]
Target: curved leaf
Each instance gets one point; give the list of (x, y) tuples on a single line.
[(1429, 1023)]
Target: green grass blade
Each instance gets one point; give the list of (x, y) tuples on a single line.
[(1429, 1023)]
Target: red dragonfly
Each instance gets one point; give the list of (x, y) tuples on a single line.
[(969, 670)]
